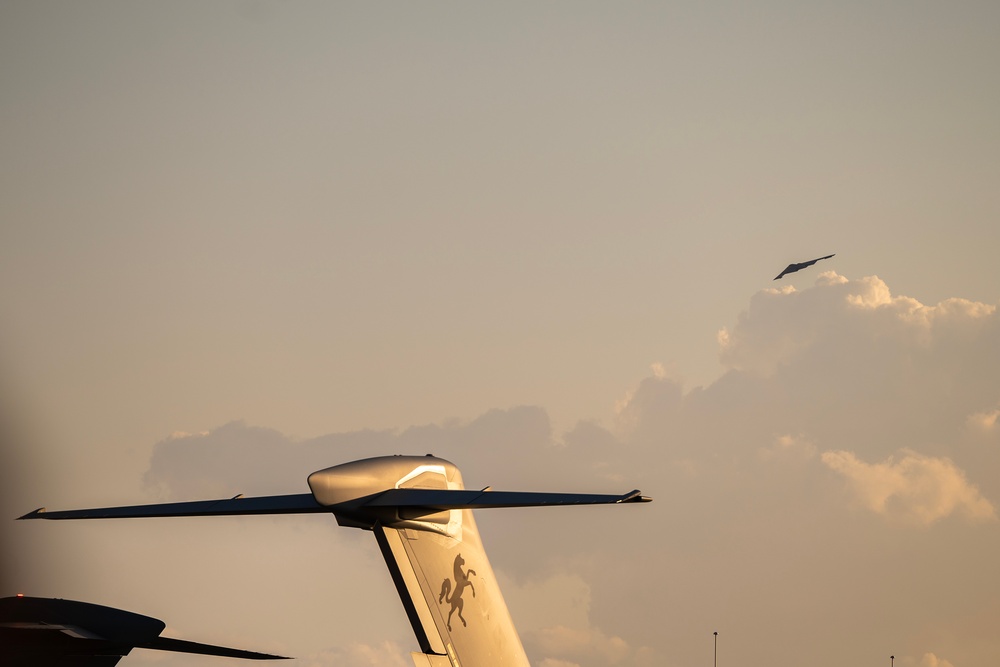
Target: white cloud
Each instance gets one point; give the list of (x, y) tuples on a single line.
[(915, 489), (240, 458), (746, 511), (563, 596), (870, 292), (984, 422), (385, 654), (788, 445), (781, 324), (583, 646), (931, 660)]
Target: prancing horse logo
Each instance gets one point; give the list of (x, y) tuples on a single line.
[(455, 598)]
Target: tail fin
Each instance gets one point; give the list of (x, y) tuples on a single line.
[(469, 624), (421, 515), (447, 585), (429, 660)]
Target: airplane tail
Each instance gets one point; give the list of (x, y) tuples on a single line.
[(446, 583), (421, 515)]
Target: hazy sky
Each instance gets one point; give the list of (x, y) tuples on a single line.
[(241, 241)]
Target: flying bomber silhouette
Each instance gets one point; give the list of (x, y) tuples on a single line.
[(792, 268)]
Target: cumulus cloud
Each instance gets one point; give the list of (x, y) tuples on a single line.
[(560, 597), (781, 324), (915, 488), (385, 654), (242, 458), (553, 616), (747, 510), (580, 646), (553, 610), (789, 445), (931, 660), (984, 422)]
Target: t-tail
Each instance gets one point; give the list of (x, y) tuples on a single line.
[(421, 516)]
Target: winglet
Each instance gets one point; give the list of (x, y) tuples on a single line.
[(635, 496), (33, 515)]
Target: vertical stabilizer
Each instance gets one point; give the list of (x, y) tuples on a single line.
[(447, 585), (426, 660)]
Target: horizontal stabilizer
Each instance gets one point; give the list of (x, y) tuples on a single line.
[(182, 646), (301, 503), (454, 499), (423, 520), (304, 503)]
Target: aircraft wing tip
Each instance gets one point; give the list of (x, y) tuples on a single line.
[(635, 496), (267, 656)]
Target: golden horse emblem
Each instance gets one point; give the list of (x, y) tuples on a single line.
[(454, 598)]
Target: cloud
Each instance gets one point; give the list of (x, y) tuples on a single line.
[(788, 445), (581, 646), (552, 606), (984, 422), (385, 654), (240, 458), (554, 620), (915, 489), (749, 523), (931, 660), (781, 325), (561, 597)]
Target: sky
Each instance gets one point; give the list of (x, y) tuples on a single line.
[(241, 241)]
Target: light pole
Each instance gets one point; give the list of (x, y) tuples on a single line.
[(716, 659), (892, 659)]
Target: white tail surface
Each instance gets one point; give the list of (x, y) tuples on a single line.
[(427, 660), (447, 585), (421, 515)]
